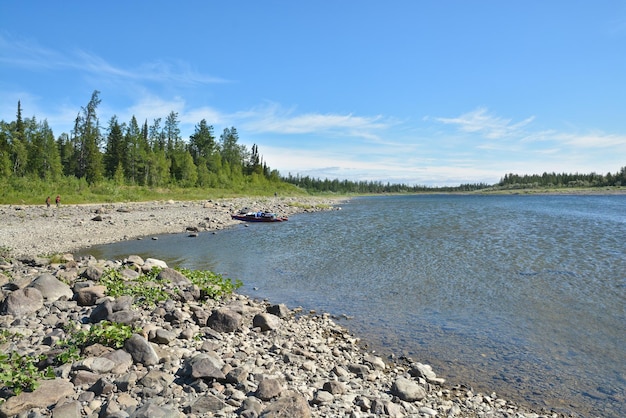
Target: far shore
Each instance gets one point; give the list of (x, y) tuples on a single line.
[(37, 230)]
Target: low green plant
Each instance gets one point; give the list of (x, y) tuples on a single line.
[(212, 285), (147, 290), (110, 334), (6, 336), (20, 373)]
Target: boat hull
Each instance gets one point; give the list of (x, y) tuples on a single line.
[(249, 218)]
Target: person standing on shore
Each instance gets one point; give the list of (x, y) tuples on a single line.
[(48, 201), (58, 200)]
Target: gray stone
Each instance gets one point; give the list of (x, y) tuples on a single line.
[(335, 387), (290, 405), (266, 321), (206, 404), (121, 359), (92, 273), (141, 350), (268, 389), (156, 380), (95, 364), (67, 410), (87, 296), (280, 310), (174, 276), (225, 320), (237, 375), (152, 410), (22, 302), (101, 311), (51, 288), (163, 336), (204, 366), (47, 394), (127, 317), (408, 390)]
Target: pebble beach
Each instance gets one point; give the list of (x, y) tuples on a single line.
[(191, 356)]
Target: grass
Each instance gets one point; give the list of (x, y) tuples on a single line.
[(33, 191)]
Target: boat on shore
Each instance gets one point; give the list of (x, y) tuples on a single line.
[(259, 217)]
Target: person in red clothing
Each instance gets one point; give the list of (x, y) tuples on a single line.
[(58, 200)]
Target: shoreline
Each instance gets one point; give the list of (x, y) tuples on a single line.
[(30, 232)]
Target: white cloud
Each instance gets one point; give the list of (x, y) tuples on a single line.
[(273, 119), (490, 126)]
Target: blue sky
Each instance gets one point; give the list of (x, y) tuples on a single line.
[(418, 92)]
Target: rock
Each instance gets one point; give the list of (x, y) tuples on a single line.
[(174, 276), (141, 350), (92, 273), (225, 320), (22, 302), (87, 296), (153, 262), (206, 404), (334, 387), (157, 381), (51, 288), (97, 218), (290, 405), (408, 390), (280, 310), (204, 366), (266, 321), (46, 395), (268, 389), (67, 410), (152, 410)]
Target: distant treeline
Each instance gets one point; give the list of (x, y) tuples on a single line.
[(548, 180), (128, 153), (314, 185)]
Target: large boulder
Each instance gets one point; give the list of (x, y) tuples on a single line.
[(408, 390), (225, 320), (22, 302), (141, 350), (47, 394), (51, 288)]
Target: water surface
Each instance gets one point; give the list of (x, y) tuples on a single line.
[(521, 295)]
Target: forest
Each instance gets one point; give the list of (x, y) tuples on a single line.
[(127, 153), (155, 156)]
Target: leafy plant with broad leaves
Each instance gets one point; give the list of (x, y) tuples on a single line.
[(20, 373), (212, 285)]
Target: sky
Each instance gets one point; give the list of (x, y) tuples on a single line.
[(429, 92)]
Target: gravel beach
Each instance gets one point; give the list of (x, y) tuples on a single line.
[(193, 357)]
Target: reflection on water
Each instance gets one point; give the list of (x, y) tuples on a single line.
[(524, 295)]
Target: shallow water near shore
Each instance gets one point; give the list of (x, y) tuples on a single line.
[(521, 295)]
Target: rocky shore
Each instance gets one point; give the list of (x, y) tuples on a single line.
[(189, 355)]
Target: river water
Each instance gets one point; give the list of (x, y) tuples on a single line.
[(524, 296)]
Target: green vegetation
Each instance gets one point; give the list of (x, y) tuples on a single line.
[(127, 162), (212, 285), (20, 373), (147, 290)]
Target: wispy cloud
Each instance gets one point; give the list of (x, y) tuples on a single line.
[(482, 122), (274, 119), (32, 56)]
